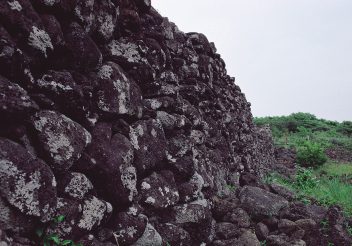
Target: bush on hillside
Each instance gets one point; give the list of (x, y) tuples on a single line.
[(310, 154), (345, 128)]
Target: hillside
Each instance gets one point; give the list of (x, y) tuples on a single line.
[(323, 153), (293, 130)]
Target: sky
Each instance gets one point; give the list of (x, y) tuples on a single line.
[(286, 55)]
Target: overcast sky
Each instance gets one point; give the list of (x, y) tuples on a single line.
[(287, 55)]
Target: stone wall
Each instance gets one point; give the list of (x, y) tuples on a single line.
[(114, 118)]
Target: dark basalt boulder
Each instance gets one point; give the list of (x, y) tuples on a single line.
[(26, 183), (159, 190), (62, 140), (149, 143), (261, 203), (14, 101)]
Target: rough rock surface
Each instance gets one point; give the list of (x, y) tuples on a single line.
[(133, 131)]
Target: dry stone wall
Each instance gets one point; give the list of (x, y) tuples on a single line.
[(116, 119)]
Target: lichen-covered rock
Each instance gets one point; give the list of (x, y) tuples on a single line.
[(192, 190), (111, 157), (11, 219), (117, 94), (71, 210), (196, 220), (128, 227), (262, 231), (106, 17), (226, 230), (150, 237), (20, 15), (94, 212), (25, 182), (14, 100), (149, 143), (127, 53), (224, 206), (174, 235), (83, 54), (62, 140), (238, 217), (75, 185), (260, 202), (159, 190), (282, 191)]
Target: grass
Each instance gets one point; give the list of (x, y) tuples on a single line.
[(324, 190), (335, 169), (293, 130)]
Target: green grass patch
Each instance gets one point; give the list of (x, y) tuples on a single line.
[(325, 190), (293, 130), (335, 169)]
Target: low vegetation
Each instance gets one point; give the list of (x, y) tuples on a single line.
[(297, 128), (318, 178), (52, 238)]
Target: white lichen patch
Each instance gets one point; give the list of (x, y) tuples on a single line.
[(24, 193), (145, 186), (154, 103), (150, 200), (131, 230), (49, 2), (105, 72), (129, 51), (60, 147), (28, 73), (93, 213), (15, 5), (154, 133), (40, 40), (107, 25), (189, 213), (170, 158), (109, 208), (132, 211), (147, 2), (47, 83), (134, 134), (129, 180), (201, 202), (84, 12), (78, 186), (123, 89)]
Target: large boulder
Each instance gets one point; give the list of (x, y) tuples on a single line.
[(117, 94), (14, 100), (159, 190), (110, 157), (261, 203), (26, 183), (149, 143), (61, 140)]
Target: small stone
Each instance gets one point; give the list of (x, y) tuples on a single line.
[(225, 230), (262, 231), (286, 226)]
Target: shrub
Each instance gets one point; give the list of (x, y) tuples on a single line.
[(311, 154), (305, 179)]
